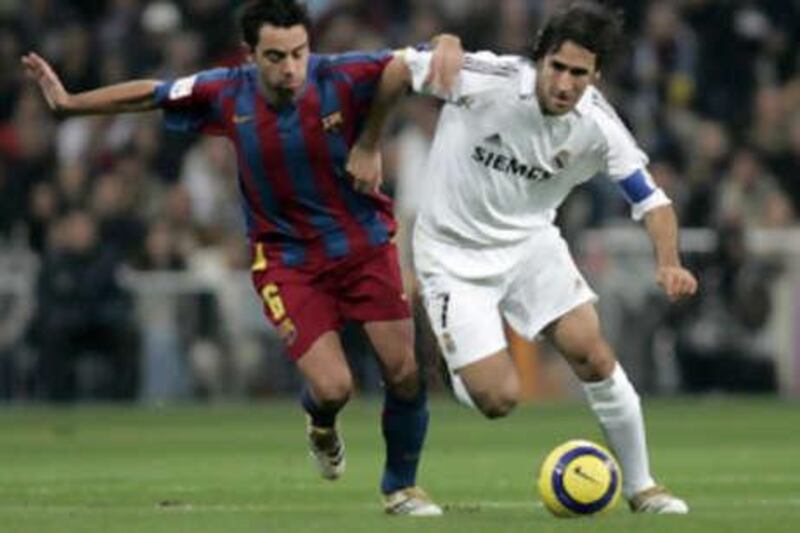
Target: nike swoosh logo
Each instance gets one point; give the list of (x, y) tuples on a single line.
[(580, 473), (239, 119)]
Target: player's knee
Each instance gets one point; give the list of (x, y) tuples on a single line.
[(601, 360), (498, 402), (595, 362), (496, 406), (334, 391), (403, 379)]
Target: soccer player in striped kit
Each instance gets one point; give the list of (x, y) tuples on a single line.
[(322, 250)]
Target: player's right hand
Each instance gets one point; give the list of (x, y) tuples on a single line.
[(446, 63), (50, 84), (677, 282), (366, 167)]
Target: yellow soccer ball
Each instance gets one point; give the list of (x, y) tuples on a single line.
[(579, 478)]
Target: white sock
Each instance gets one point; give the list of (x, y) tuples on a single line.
[(617, 407), (460, 391)]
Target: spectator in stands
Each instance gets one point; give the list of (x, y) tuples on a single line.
[(787, 164), (708, 148), (112, 204), (11, 202), (768, 131), (206, 176), (72, 185), (83, 311), (749, 195), (43, 210), (721, 342), (162, 318), (664, 70)]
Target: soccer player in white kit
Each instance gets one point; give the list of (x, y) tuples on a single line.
[(513, 139)]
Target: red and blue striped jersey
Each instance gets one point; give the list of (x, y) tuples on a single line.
[(297, 198)]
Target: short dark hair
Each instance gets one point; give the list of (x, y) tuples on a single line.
[(591, 25), (280, 13)]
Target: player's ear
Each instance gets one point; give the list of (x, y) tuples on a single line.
[(247, 50)]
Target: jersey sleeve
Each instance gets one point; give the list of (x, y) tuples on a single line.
[(191, 103), (361, 70), (625, 163), (482, 71)]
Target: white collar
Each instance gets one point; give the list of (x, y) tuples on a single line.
[(527, 80), (585, 102)]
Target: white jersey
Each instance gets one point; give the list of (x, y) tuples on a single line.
[(499, 167)]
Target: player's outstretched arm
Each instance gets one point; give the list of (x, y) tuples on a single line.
[(364, 161), (137, 95), (662, 226)]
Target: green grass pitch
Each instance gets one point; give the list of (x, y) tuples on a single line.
[(236, 468)]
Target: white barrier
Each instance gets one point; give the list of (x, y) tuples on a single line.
[(617, 260)]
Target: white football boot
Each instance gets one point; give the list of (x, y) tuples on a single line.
[(657, 500), (410, 501), (327, 449)]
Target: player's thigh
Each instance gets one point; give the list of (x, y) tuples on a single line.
[(325, 369), (300, 310), (393, 341), (492, 382), (369, 288), (464, 317), (545, 286), (577, 336)]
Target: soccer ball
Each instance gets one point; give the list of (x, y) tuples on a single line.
[(579, 478)]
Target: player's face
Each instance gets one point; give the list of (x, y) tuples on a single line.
[(562, 77), (282, 57)]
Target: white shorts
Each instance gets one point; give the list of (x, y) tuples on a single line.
[(530, 284)]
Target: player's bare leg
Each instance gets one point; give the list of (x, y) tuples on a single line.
[(394, 343), (329, 385), (404, 420), (492, 384), (616, 404)]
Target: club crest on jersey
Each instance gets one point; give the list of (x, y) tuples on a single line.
[(464, 101), (447, 341), (561, 159), (287, 332), (332, 122), (182, 87)]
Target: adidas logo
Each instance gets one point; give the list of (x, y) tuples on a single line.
[(495, 140)]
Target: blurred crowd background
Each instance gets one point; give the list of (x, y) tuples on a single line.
[(123, 265)]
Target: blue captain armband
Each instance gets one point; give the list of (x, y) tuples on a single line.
[(642, 193), (637, 186)]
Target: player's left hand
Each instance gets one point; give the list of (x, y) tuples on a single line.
[(366, 167), (446, 63), (40, 71), (676, 281)]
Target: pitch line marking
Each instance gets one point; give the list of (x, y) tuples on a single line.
[(455, 507)]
